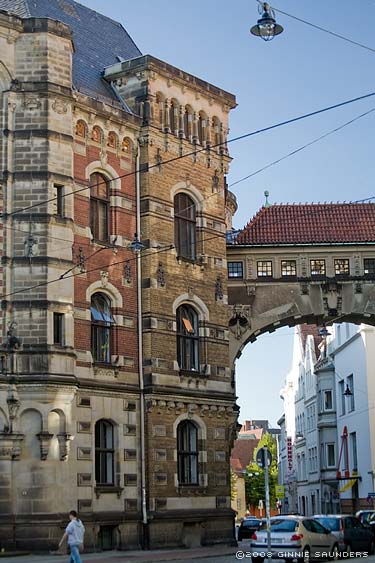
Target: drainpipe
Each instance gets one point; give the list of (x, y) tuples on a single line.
[(140, 356)]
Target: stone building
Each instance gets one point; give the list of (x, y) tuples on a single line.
[(140, 448)]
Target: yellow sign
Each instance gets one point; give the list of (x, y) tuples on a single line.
[(280, 491)]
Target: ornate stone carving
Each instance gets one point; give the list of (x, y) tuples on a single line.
[(219, 289), (64, 440), (32, 103), (45, 440), (104, 278), (332, 299), (161, 275), (59, 106), (239, 321), (305, 288)]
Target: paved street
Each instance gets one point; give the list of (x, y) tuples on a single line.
[(203, 555)]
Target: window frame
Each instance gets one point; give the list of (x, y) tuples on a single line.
[(264, 266), (351, 401), (313, 272), (101, 329), (287, 266), (104, 455), (58, 329), (328, 446), (337, 267), (370, 270), (59, 207), (327, 392), (187, 454), (185, 224), (238, 268), (99, 208), (187, 341)]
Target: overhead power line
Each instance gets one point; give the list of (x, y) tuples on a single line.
[(295, 151), (205, 149)]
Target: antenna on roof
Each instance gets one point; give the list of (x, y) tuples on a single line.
[(266, 195)]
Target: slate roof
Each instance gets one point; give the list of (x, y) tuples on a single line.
[(314, 223), (98, 40)]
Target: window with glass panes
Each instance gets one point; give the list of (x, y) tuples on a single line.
[(331, 462), (369, 266), (185, 224), (342, 267), (318, 267), (288, 268), (235, 269), (187, 453), (264, 269), (187, 338), (101, 323), (104, 453), (99, 207)]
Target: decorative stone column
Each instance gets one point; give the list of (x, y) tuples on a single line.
[(64, 440), (45, 440)]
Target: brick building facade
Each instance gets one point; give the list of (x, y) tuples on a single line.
[(140, 447)]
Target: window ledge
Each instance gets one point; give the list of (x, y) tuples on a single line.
[(105, 489), (191, 490), (191, 373)]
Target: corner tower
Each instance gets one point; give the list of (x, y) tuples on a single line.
[(189, 392)]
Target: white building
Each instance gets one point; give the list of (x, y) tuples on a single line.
[(332, 432)]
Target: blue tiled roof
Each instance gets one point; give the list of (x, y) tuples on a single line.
[(99, 41)]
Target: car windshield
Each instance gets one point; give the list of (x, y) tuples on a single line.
[(332, 524), (283, 525), (250, 523)]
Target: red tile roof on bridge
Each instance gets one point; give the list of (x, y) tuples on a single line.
[(312, 223)]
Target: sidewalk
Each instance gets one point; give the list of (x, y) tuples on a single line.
[(153, 556)]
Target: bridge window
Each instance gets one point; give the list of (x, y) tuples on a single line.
[(288, 268), (264, 269), (187, 338), (187, 453), (342, 267), (185, 226), (318, 267), (235, 269), (369, 266)]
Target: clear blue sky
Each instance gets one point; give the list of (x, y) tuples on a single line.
[(300, 71)]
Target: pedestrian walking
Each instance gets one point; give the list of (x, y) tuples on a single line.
[(74, 533)]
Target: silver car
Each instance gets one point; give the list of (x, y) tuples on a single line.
[(294, 537)]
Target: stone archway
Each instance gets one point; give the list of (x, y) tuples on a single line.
[(255, 309)]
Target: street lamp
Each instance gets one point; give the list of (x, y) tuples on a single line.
[(266, 26), (348, 392)]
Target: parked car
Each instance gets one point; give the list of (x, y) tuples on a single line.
[(365, 516), (294, 537), (350, 533), (247, 527)]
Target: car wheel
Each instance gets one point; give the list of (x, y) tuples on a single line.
[(335, 552), (306, 556), (348, 549)]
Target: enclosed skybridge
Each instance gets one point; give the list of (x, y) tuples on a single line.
[(301, 263)]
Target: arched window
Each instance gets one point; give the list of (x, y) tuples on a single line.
[(187, 453), (99, 207), (187, 338), (187, 122), (173, 117), (101, 323), (104, 453), (202, 124), (185, 226)]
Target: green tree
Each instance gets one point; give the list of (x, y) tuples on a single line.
[(254, 478), (233, 485)]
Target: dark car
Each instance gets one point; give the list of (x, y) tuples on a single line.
[(248, 527), (351, 534)]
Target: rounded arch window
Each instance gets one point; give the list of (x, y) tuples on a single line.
[(104, 453), (101, 324), (187, 453), (173, 116), (81, 129), (187, 322), (202, 124), (185, 226), (99, 207)]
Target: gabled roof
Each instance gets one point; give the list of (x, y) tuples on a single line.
[(99, 41), (242, 454), (306, 330), (314, 223)]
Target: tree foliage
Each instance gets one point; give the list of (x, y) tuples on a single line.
[(254, 479)]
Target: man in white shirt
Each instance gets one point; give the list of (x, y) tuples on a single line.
[(74, 532)]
